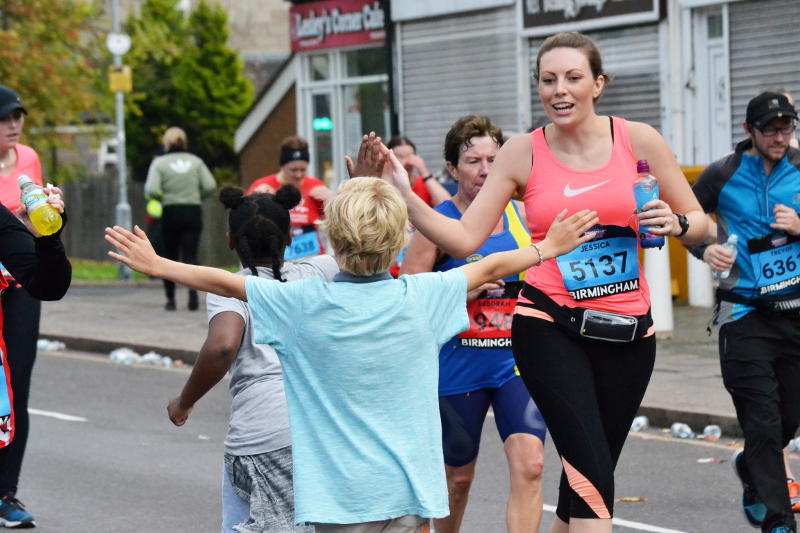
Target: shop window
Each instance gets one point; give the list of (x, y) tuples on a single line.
[(365, 109), (343, 94), (320, 66), (365, 62), (715, 26)]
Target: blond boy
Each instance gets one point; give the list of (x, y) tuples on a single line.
[(360, 357)]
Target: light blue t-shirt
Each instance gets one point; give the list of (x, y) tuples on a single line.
[(360, 364)]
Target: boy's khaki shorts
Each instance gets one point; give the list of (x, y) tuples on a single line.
[(404, 524)]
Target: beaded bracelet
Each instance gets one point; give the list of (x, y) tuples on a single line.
[(538, 251)]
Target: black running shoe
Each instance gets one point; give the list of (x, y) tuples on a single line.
[(753, 508)]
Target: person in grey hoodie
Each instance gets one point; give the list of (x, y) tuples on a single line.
[(180, 180)]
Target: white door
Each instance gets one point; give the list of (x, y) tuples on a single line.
[(711, 77)]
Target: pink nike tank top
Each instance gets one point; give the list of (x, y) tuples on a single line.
[(604, 273)]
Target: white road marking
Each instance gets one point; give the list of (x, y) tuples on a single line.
[(694, 442), (60, 416), (628, 523)]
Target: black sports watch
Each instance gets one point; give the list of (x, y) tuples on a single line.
[(684, 224)]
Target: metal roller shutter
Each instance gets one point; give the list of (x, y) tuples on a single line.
[(454, 66), (630, 56), (764, 52)]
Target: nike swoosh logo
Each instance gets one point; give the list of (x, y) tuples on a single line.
[(575, 192)]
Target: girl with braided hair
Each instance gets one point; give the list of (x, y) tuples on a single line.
[(258, 435)]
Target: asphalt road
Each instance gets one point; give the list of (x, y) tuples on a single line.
[(125, 468)]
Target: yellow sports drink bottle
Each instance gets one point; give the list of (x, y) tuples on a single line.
[(44, 217)]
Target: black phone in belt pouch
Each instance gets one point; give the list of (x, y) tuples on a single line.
[(602, 325)]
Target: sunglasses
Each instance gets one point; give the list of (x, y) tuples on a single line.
[(15, 115)]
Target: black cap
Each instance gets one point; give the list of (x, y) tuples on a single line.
[(9, 101), (767, 106)]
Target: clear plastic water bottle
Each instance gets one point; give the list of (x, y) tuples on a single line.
[(794, 445), (712, 433), (640, 423), (681, 431), (730, 245), (645, 189), (44, 217)]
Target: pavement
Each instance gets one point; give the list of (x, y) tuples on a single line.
[(686, 385)]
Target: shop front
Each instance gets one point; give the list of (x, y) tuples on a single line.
[(342, 79), (334, 87), (454, 59)]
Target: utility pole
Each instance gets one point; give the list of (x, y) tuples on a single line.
[(118, 44)]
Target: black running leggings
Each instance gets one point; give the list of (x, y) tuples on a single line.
[(588, 392), (181, 226), (21, 314)]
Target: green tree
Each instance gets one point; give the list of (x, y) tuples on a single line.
[(213, 94), (185, 75), (159, 36), (52, 55)]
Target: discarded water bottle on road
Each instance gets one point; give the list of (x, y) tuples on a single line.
[(645, 189), (640, 423), (126, 356), (730, 245), (681, 431), (712, 433), (49, 346), (44, 217)]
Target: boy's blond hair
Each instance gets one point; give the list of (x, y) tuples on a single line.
[(366, 225)]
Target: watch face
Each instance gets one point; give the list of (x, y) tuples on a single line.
[(684, 223)]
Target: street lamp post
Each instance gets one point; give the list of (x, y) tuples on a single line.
[(118, 44)]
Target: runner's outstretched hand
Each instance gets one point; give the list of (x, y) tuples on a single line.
[(370, 161), (397, 175), (134, 249)]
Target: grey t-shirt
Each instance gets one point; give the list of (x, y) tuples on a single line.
[(259, 422)]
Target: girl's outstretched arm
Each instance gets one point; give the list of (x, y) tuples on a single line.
[(135, 250)]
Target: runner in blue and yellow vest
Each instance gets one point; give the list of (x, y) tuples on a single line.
[(476, 367)]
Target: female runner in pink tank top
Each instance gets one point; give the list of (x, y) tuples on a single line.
[(582, 334)]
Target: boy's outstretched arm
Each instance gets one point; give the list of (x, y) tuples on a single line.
[(565, 234), (136, 251)]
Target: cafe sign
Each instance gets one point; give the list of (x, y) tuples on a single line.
[(546, 17), (336, 23)]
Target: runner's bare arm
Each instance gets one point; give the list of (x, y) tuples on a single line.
[(215, 358), (437, 191), (676, 194), (564, 235), (135, 250), (420, 256), (321, 194), (459, 238)]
